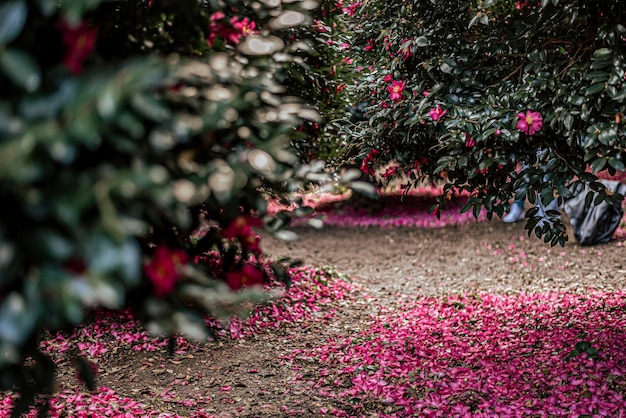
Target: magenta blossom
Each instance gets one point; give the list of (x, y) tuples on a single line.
[(529, 122), (396, 89), (436, 113)]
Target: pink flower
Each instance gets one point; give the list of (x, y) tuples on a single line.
[(232, 31), (388, 78), (396, 89), (245, 26), (319, 26), (352, 8), (469, 141), (436, 112), (529, 122)]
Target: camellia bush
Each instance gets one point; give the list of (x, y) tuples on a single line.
[(501, 99), (323, 77), (140, 141)]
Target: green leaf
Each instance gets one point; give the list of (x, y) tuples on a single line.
[(568, 122), (106, 257), (12, 18), (364, 188), (620, 95), (476, 211), (594, 88), (592, 353), (422, 41), (21, 68), (617, 164), (150, 108), (602, 53), (598, 164), (48, 6), (86, 372), (191, 325), (51, 245), (583, 345), (17, 319), (473, 21)]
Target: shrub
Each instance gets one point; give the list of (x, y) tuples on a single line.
[(136, 136), (464, 91)]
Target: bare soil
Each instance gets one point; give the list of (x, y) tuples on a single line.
[(249, 378)]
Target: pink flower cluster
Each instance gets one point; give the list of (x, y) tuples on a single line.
[(395, 89), (231, 31), (163, 269)]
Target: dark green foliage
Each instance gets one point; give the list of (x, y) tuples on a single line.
[(135, 137), (483, 63)]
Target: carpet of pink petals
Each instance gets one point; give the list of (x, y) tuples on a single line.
[(411, 213), (482, 355)]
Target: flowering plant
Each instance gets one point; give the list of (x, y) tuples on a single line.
[(487, 84), (136, 137)]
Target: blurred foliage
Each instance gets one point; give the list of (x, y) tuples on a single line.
[(136, 137), (446, 82), (321, 75)]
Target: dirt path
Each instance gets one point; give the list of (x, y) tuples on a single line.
[(484, 257)]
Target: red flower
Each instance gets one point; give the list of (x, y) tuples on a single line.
[(241, 228), (162, 270), (79, 42), (469, 141), (249, 275), (366, 166), (388, 78), (391, 171)]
